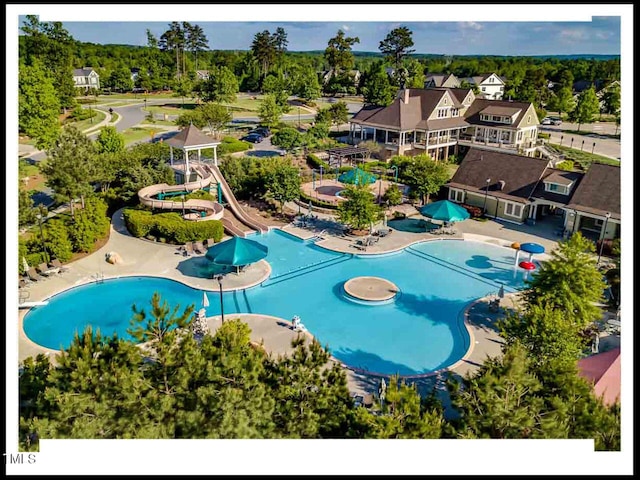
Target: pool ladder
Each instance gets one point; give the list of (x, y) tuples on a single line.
[(98, 277)]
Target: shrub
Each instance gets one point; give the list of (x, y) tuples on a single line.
[(58, 242), (200, 195), (611, 247), (35, 259), (316, 202), (567, 165), (314, 162), (139, 222), (475, 212), (231, 145), (393, 195), (399, 215), (171, 226)]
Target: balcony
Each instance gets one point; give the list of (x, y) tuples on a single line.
[(472, 141)]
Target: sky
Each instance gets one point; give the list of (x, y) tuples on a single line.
[(599, 36)]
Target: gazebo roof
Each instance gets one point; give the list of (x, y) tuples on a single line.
[(191, 137)]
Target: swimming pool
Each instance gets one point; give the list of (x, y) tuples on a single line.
[(419, 332)]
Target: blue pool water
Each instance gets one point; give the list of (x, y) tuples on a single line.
[(419, 332)]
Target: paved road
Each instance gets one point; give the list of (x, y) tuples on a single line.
[(608, 147)]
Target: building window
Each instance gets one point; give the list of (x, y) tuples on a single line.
[(598, 222), (556, 188), (490, 79), (445, 100), (502, 89), (497, 118), (456, 195), (442, 112), (519, 136), (529, 119), (484, 89), (513, 210), (454, 112)]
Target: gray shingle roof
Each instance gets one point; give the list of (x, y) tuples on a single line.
[(519, 173), (191, 137), (599, 191)]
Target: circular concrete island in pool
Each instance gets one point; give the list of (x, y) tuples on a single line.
[(370, 289)]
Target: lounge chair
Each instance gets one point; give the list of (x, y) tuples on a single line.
[(44, 269), (198, 247), (55, 263), (33, 275), (210, 242), (22, 283), (188, 249)]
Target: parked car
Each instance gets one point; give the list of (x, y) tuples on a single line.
[(262, 131), (555, 120), (253, 138)]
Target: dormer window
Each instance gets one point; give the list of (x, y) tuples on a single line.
[(557, 188), (442, 112)]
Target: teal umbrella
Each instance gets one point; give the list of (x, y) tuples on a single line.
[(237, 252), (357, 176), (445, 211)]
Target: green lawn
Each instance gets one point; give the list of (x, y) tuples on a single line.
[(582, 157), (89, 122), (177, 110), (135, 134), (114, 117), (160, 122)]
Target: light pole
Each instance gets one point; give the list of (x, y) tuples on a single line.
[(395, 169), (561, 138), (582, 147), (90, 114), (44, 245), (182, 196), (313, 178), (486, 192), (298, 116), (219, 278), (320, 174), (593, 148), (571, 143), (604, 232)]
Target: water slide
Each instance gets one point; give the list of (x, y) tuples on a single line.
[(212, 210), (233, 204)]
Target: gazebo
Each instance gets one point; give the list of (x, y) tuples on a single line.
[(190, 139)]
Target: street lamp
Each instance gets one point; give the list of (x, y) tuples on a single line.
[(593, 148), (582, 147), (604, 232), (395, 169), (182, 197), (571, 143), (44, 245), (313, 178), (561, 138), (320, 174), (486, 191), (219, 278)]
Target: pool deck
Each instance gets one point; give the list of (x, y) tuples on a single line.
[(142, 257)]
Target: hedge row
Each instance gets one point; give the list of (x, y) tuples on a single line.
[(200, 195), (171, 226), (315, 162)]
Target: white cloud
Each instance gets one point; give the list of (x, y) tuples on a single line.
[(573, 34), (470, 26)]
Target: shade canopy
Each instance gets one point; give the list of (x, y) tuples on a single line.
[(357, 176), (445, 211), (237, 252), (532, 248)]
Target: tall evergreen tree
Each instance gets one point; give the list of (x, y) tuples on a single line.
[(397, 45), (338, 52)]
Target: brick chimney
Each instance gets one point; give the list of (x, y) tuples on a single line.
[(405, 98)]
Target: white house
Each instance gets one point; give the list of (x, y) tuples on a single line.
[(491, 86), (86, 78)]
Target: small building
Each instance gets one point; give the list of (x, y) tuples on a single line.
[(490, 85), (437, 80), (135, 72), (517, 188), (202, 75), (86, 78)]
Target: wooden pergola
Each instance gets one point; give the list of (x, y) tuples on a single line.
[(346, 152)]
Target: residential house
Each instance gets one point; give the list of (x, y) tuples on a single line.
[(86, 78), (135, 73), (490, 85), (519, 189), (437, 80), (202, 75), (437, 120), (326, 75)]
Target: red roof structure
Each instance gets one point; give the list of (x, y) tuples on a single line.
[(603, 369)]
